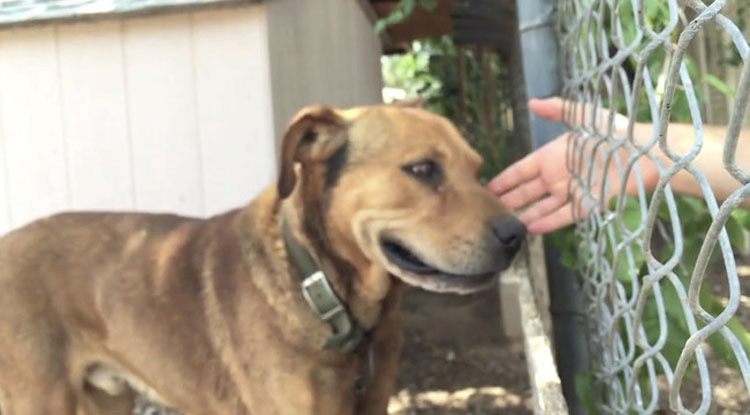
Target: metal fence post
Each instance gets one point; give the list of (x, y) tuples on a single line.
[(539, 50)]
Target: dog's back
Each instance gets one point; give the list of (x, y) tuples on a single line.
[(68, 253)]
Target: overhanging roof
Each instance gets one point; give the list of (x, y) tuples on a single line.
[(485, 22), (14, 12)]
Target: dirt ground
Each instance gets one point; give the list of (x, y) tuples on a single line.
[(456, 361), (729, 393)]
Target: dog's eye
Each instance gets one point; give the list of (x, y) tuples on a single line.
[(426, 171)]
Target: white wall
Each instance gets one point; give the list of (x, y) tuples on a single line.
[(164, 113), (322, 52), (176, 112)]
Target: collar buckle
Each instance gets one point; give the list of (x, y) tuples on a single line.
[(322, 299), (320, 296)]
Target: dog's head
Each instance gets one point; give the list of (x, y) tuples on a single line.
[(396, 189)]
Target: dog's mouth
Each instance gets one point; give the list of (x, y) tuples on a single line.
[(405, 259), (417, 272)]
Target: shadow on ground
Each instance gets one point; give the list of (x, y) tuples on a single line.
[(456, 361)]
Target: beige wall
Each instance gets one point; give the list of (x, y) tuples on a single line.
[(322, 52)]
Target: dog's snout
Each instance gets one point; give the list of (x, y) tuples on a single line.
[(509, 231)]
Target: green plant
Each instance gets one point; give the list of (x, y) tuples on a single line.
[(402, 11), (430, 71)]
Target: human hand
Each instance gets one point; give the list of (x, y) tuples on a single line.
[(540, 182)]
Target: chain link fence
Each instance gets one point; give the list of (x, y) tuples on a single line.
[(664, 299)]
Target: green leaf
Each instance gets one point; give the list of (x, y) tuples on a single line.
[(631, 213), (736, 234), (584, 384), (402, 11), (397, 16), (691, 205), (565, 240), (626, 272), (380, 26), (722, 349), (719, 345), (663, 211), (429, 5), (677, 333), (739, 330), (743, 217), (632, 218), (407, 7), (673, 306), (718, 84), (569, 259), (690, 251)]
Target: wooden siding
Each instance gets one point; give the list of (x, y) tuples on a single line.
[(322, 52), (164, 113)]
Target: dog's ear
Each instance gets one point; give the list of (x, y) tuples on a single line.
[(313, 135)]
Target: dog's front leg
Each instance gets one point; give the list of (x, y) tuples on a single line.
[(387, 339)]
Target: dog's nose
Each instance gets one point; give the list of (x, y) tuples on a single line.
[(509, 231)]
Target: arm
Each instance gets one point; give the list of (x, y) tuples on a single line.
[(710, 159), (538, 183)]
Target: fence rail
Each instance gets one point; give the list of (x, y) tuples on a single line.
[(657, 337)]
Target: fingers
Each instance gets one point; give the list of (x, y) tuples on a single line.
[(549, 108), (519, 173), (552, 109), (559, 218), (544, 207), (524, 194)]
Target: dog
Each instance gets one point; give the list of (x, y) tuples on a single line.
[(289, 305)]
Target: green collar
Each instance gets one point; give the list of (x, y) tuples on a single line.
[(317, 291)]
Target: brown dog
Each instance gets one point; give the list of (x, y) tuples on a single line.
[(208, 317)]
